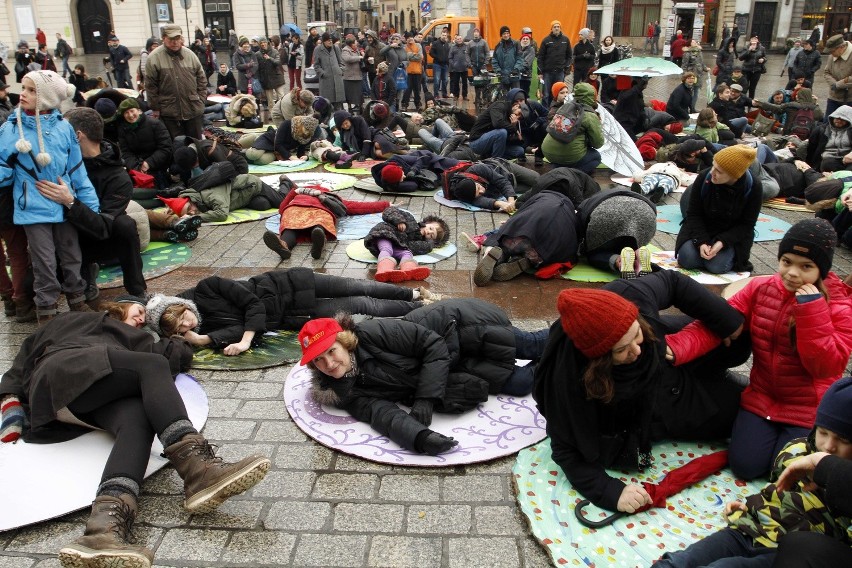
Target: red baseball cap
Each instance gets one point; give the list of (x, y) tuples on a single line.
[(316, 336)]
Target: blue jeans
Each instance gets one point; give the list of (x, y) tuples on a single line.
[(550, 77), (740, 124), (122, 78), (365, 84), (765, 155), (439, 79), (727, 548), (493, 145), (755, 442), (65, 67), (434, 137), (689, 257), (587, 164)]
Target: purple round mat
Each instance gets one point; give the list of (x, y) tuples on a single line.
[(499, 427)]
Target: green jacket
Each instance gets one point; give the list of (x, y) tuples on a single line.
[(711, 134), (846, 176), (216, 203), (590, 134)]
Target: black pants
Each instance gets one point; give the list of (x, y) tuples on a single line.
[(268, 199), (335, 294), (415, 84), (811, 550), (528, 345), (192, 127), (122, 244), (138, 400), (753, 78), (458, 79)]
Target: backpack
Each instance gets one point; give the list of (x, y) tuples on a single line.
[(448, 173), (802, 122), (400, 78), (503, 167), (563, 126)]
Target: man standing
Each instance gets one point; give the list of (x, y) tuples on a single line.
[(656, 45), (176, 85), (649, 38), (838, 73), (328, 63), (808, 61), (554, 60), (63, 51), (584, 55), (507, 61), (120, 56), (440, 53), (311, 45), (477, 50)]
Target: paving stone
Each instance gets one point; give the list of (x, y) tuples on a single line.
[(368, 518), (472, 552), (235, 451), (297, 516), (330, 550), (498, 520), (258, 390), (439, 519), (199, 545), (284, 484), (266, 409), (221, 429), (408, 488), (259, 547), (162, 511), (303, 456), (235, 513), (279, 431), (405, 552), (18, 562), (44, 538), (223, 407), (345, 486), (474, 488)]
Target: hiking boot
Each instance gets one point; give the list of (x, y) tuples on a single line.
[(107, 541), (274, 242), (643, 261), (25, 310), (171, 236), (187, 224), (317, 242), (8, 303), (188, 236), (628, 263), (207, 480), (508, 270), (45, 313), (485, 269), (77, 303)]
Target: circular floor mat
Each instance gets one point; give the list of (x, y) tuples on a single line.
[(349, 228), (499, 427), (357, 251), (359, 167), (282, 167), (768, 228), (369, 185), (158, 259), (278, 348), (332, 182)]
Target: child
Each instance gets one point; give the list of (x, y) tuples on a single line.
[(400, 237), (756, 525), (39, 150), (801, 331), (708, 127), (79, 78)]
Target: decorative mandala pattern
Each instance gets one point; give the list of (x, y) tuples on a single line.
[(282, 167), (548, 501), (357, 251), (158, 259), (499, 427), (332, 182), (277, 348), (767, 228)]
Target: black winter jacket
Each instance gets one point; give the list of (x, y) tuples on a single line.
[(497, 186), (573, 184), (114, 188), (749, 59), (692, 400), (554, 54), (148, 140), (584, 55), (680, 102), (808, 62), (496, 116), (410, 239), (439, 52)]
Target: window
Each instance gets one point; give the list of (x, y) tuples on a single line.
[(465, 29), (631, 17)]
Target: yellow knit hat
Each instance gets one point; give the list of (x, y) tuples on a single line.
[(735, 160)]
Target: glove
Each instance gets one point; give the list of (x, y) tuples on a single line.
[(13, 419), (422, 411), (436, 443)]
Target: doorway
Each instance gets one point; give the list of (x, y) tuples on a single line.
[(763, 22), (219, 24), (95, 25)]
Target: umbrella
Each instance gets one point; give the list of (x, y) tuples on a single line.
[(641, 67), (290, 28), (674, 481), (619, 151)]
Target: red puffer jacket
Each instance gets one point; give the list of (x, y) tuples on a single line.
[(786, 383)]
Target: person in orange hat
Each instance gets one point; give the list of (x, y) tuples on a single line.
[(608, 392), (559, 92), (367, 368)]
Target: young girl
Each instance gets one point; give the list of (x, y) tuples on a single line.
[(800, 321), (45, 153), (78, 78), (400, 237), (708, 127)]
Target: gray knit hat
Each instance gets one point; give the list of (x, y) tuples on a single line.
[(158, 304), (621, 216)]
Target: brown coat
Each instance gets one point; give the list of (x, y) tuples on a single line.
[(176, 84), (839, 70)]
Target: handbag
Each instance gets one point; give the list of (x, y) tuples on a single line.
[(141, 179), (762, 125), (715, 71), (426, 179)]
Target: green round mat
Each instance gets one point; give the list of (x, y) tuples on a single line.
[(357, 251), (334, 182), (244, 216), (158, 259), (359, 168), (282, 167), (278, 348)]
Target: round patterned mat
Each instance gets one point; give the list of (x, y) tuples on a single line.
[(768, 228), (349, 228), (369, 185), (244, 216), (781, 203), (357, 251), (359, 167), (547, 500), (278, 348), (282, 167), (455, 204), (158, 259), (332, 182), (498, 427)]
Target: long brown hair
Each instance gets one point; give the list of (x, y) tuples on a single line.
[(116, 310), (598, 375)]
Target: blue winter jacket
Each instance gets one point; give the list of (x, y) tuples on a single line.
[(21, 170), (507, 58)]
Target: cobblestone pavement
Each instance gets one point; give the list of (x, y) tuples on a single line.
[(318, 507)]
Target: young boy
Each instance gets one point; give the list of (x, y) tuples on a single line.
[(756, 525), (38, 153)]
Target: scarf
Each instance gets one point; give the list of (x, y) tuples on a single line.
[(607, 49)]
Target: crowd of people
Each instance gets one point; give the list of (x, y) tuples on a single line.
[(609, 386)]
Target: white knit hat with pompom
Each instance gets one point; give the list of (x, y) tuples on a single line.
[(51, 90)]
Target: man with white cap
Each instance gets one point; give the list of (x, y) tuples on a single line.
[(584, 55), (176, 85)]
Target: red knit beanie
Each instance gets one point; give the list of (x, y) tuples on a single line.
[(392, 173), (595, 319), (675, 128), (176, 204)]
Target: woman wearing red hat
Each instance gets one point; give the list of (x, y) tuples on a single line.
[(446, 357), (607, 392)]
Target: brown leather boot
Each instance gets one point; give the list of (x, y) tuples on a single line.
[(107, 540), (8, 303), (25, 310), (77, 303), (45, 313), (207, 480)]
